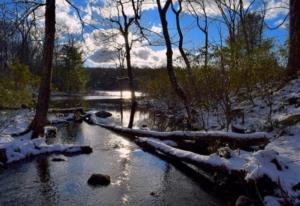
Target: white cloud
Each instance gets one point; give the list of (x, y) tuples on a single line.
[(66, 21), (111, 8), (101, 51), (276, 8), (156, 29)]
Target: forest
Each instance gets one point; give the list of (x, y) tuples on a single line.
[(150, 102)]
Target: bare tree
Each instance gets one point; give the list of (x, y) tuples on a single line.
[(124, 22), (181, 93), (179, 31), (40, 119), (294, 39), (202, 27)]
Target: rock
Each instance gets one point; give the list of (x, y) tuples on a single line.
[(244, 201), (3, 157), (50, 131), (58, 159), (103, 114), (98, 180), (86, 149)]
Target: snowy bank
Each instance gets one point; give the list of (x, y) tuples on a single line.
[(15, 149)]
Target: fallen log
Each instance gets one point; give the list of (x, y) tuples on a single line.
[(236, 139), (208, 163), (233, 169)]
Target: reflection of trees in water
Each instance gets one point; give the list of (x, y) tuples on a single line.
[(47, 186), (70, 133)]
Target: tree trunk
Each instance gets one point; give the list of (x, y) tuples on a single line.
[(294, 39), (40, 119), (206, 49), (130, 78), (172, 76)]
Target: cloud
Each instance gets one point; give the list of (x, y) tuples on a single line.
[(144, 56), (276, 8), (156, 29), (111, 8), (66, 20), (103, 55)]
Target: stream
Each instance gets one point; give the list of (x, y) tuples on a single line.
[(138, 177)]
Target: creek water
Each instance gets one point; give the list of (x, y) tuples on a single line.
[(138, 177)]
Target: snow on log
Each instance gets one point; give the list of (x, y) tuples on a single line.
[(262, 169), (213, 162), (15, 149), (239, 140)]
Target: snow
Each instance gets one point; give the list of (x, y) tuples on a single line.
[(189, 134), (15, 121), (20, 148), (280, 160), (235, 163)]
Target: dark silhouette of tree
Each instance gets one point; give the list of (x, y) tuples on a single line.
[(40, 118), (294, 39), (181, 93)]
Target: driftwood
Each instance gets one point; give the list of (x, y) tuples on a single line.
[(236, 139)]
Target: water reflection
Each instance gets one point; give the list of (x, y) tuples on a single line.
[(47, 186), (98, 95)]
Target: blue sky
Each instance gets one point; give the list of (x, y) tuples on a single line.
[(99, 54)]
